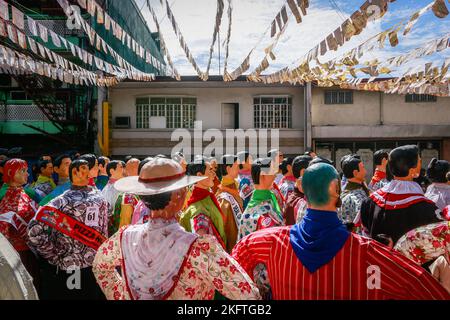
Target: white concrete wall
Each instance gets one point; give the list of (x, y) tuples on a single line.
[(210, 97), (209, 102), (365, 110)]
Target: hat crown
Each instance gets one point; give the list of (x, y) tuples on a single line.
[(160, 168)]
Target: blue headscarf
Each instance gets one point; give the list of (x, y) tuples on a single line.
[(318, 238)]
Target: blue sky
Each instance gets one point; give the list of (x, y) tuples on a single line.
[(252, 17)]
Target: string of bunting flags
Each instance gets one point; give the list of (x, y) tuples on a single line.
[(226, 75), (38, 30), (279, 23), (173, 71), (103, 18), (15, 30), (13, 62), (202, 75), (342, 71), (101, 44), (335, 71)]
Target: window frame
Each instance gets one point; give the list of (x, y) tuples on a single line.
[(178, 115), (338, 95), (420, 98), (272, 115)]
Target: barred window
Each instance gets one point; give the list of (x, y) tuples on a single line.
[(165, 112), (338, 97), (420, 98), (272, 112)]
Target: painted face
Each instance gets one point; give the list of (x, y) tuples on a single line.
[(93, 173), (214, 166), (233, 171), (80, 176), (21, 176), (384, 162), (118, 173), (210, 174), (361, 175), (102, 169), (132, 168), (63, 169), (47, 171)]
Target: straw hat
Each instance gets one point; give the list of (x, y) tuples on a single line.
[(158, 176)]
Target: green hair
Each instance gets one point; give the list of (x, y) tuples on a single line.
[(316, 181)]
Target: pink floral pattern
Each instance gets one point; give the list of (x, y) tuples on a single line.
[(425, 243), (207, 268)]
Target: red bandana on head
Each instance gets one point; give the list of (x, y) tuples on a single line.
[(11, 167)]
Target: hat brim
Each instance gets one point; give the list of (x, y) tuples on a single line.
[(134, 186)]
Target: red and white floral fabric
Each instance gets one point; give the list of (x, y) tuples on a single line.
[(206, 268), (425, 243), (18, 202)]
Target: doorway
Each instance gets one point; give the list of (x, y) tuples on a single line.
[(230, 115)]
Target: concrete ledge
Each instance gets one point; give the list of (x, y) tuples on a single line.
[(381, 131)]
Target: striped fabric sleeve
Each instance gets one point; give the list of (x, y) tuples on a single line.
[(252, 250), (401, 278)]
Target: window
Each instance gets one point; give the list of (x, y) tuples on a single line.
[(19, 95), (166, 112), (272, 112), (420, 98), (339, 97)]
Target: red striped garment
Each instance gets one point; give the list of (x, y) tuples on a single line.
[(345, 277)]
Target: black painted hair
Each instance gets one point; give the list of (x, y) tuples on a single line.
[(102, 161), (58, 161), (317, 160), (90, 158), (437, 171), (257, 167), (383, 238), (226, 161), (76, 164), (402, 159), (198, 165), (157, 201), (112, 165), (42, 165), (379, 155), (350, 163), (286, 162), (300, 163), (127, 158)]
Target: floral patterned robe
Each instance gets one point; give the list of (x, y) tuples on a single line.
[(425, 243), (206, 268), (16, 200)]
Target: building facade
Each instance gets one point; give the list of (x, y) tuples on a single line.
[(145, 115), (47, 116), (362, 122)]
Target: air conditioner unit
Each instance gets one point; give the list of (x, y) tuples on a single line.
[(122, 122)]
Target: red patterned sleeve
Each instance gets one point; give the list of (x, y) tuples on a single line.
[(252, 250)]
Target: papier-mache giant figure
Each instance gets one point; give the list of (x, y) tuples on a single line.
[(16, 210), (67, 233), (401, 205), (160, 260), (322, 260)]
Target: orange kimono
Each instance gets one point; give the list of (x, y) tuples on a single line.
[(232, 207)]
